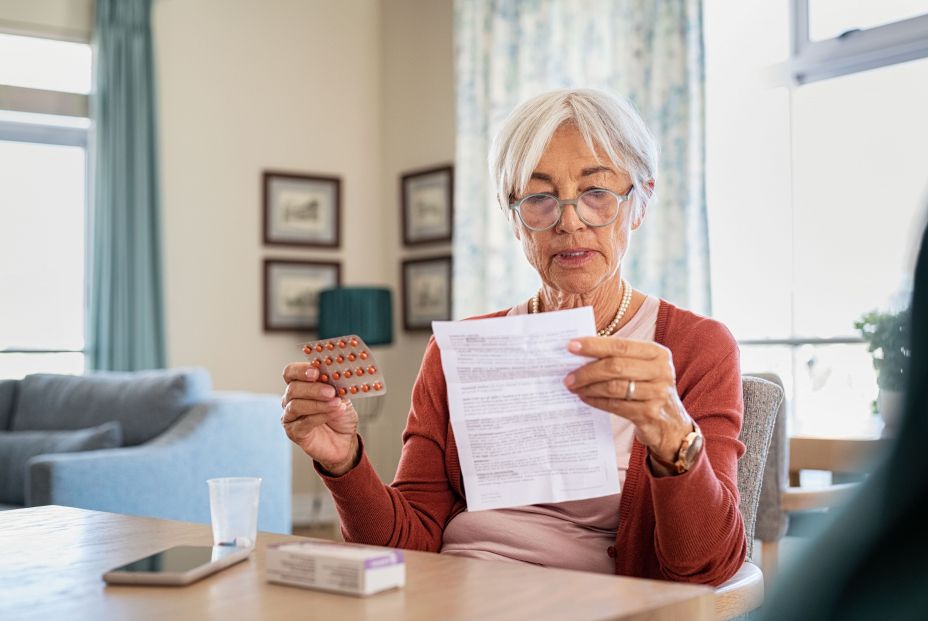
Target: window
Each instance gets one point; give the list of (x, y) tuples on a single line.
[(45, 64), (43, 189), (816, 190), (832, 18)]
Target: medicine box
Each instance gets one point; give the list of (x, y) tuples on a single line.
[(339, 567)]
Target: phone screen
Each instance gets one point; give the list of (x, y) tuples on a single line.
[(178, 560)]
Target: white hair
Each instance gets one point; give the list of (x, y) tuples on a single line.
[(604, 120)]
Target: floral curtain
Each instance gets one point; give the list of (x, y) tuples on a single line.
[(648, 51)]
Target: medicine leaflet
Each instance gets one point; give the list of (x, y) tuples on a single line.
[(522, 437)]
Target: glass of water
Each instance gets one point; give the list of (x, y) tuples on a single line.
[(233, 506)]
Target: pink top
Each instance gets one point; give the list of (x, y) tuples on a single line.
[(570, 535)]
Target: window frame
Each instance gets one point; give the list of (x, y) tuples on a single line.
[(57, 103), (852, 51), (812, 61)]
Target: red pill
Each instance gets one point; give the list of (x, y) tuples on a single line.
[(336, 375), (347, 373), (354, 342), (377, 385), (366, 387), (307, 349), (363, 355), (354, 389), (359, 371), (323, 378), (319, 347), (328, 359), (341, 344), (372, 369), (340, 359), (316, 363), (351, 357), (342, 392), (329, 346)]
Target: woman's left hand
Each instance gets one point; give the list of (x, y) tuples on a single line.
[(651, 403)]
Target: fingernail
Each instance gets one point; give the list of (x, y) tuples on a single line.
[(312, 373), (336, 403), (569, 380), (328, 391), (574, 346)]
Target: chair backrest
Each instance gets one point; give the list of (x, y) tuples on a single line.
[(772, 522), (762, 402)]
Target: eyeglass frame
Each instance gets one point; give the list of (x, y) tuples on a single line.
[(621, 198)]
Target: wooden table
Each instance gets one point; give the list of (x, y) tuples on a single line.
[(51, 560)]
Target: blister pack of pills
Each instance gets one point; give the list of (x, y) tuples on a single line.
[(347, 363)]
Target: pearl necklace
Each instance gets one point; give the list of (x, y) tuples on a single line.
[(608, 330)]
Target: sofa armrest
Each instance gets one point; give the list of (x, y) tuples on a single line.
[(229, 434)]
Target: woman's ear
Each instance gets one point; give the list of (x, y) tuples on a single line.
[(513, 222), (642, 205), (514, 225)]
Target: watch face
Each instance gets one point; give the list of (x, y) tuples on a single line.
[(692, 451)]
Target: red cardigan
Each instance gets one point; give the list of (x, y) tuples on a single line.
[(686, 527)]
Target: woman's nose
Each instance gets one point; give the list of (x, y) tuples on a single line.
[(570, 221)]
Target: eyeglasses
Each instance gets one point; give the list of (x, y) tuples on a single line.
[(596, 207)]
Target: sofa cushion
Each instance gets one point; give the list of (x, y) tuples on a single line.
[(7, 399), (18, 447), (144, 402)]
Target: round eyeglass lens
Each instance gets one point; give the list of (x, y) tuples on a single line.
[(539, 211), (597, 207)]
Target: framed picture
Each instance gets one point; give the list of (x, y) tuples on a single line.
[(427, 199), (301, 210), (291, 293), (426, 292)]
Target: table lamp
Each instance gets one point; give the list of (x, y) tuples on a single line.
[(365, 311)]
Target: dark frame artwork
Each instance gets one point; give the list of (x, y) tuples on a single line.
[(427, 283), (282, 278), (427, 205), (301, 209)]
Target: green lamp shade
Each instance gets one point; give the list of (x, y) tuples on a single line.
[(365, 311)]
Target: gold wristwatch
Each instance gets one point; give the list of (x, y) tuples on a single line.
[(689, 452)]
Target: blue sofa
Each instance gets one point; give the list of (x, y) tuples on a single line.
[(172, 432)]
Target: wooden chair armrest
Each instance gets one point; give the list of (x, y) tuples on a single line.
[(743, 593), (806, 499), (835, 454)]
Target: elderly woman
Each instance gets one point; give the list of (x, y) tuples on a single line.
[(574, 171)]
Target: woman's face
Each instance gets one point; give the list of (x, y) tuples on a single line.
[(573, 257)]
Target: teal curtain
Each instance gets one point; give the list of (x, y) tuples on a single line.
[(126, 324), (647, 51)]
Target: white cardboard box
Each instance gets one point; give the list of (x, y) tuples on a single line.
[(339, 567)]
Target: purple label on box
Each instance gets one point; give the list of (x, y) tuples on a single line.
[(395, 558)]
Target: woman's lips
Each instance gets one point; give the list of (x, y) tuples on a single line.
[(573, 258)]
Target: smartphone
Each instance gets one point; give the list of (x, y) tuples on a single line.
[(177, 566)]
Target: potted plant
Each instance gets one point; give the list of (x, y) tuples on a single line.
[(887, 337)]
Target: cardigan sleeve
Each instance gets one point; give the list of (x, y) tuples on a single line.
[(699, 532), (412, 512)]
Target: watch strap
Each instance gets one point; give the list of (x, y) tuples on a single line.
[(687, 454)]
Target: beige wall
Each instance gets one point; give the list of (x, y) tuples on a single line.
[(362, 89), (356, 88), (417, 120)]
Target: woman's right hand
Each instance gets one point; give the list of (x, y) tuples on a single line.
[(318, 421)]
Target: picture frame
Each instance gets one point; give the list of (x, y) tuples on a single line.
[(291, 293), (426, 288), (301, 209), (427, 205)]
